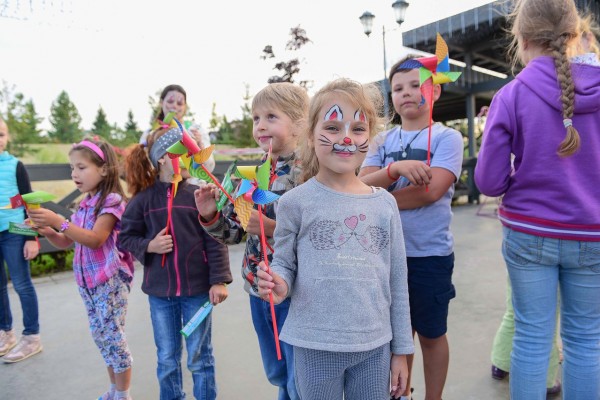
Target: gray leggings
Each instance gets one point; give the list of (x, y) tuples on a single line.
[(363, 375)]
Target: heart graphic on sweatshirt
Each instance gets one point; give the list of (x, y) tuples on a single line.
[(351, 222)]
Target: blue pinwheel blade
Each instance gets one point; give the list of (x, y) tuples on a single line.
[(444, 65), (263, 197), (244, 187), (410, 64)]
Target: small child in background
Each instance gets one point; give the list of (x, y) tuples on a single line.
[(339, 256), (195, 269), (102, 271), (279, 113), (16, 250)]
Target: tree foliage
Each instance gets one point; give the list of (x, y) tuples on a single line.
[(290, 68), (65, 120), (101, 127), (22, 120), (131, 132)]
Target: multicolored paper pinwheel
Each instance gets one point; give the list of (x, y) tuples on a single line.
[(434, 70), (193, 158), (254, 189), (29, 201)]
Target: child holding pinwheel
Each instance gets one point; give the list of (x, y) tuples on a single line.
[(279, 112), (161, 222), (16, 250), (419, 167), (339, 256), (103, 272)]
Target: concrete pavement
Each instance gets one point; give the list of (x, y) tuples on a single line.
[(70, 367)]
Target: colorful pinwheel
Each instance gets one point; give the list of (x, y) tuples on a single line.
[(254, 189), (29, 201), (193, 158), (434, 70)]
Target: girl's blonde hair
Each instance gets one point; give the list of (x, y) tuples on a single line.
[(111, 182), (365, 97), (590, 30), (290, 99), (553, 26)]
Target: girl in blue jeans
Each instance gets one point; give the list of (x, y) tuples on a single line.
[(195, 267), (16, 251), (548, 120)]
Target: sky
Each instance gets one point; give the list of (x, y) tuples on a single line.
[(114, 54)]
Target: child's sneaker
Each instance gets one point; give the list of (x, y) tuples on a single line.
[(106, 396), (28, 346), (7, 341)]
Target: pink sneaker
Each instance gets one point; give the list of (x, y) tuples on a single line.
[(28, 346), (7, 341)]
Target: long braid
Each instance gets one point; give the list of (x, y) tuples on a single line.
[(572, 141)]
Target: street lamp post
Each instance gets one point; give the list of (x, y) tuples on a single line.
[(366, 19)]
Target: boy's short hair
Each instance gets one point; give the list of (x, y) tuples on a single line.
[(291, 99)]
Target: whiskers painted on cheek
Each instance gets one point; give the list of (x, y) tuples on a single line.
[(325, 141), (364, 147)]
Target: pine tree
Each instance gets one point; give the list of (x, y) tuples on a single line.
[(101, 127), (131, 132), (23, 121), (65, 120)]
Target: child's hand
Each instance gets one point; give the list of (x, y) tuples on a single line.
[(417, 172), (161, 244), (254, 224), (399, 372), (270, 282), (217, 293), (206, 198), (45, 231), (31, 249), (43, 217)]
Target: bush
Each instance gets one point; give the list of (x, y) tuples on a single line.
[(45, 264)]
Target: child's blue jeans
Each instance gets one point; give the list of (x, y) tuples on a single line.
[(169, 315), (538, 266), (279, 372), (11, 251)]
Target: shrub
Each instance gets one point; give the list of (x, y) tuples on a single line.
[(45, 264)]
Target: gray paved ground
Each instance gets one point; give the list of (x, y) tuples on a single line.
[(70, 366)]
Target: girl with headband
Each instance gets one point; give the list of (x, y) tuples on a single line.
[(102, 271)]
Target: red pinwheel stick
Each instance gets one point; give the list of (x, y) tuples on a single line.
[(263, 245), (216, 182), (169, 209), (430, 124)]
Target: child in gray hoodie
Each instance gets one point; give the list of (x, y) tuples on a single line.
[(339, 254)]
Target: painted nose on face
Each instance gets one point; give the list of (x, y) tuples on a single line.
[(347, 140)]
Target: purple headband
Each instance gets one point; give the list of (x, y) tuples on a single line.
[(93, 147)]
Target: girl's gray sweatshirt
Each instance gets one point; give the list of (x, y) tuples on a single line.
[(342, 256)]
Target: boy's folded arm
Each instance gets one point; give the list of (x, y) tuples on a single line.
[(411, 197)]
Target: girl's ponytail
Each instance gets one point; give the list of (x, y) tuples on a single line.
[(139, 173), (572, 141)]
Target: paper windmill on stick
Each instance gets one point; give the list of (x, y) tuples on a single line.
[(254, 189), (29, 201), (434, 70), (193, 159)]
